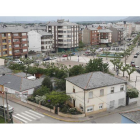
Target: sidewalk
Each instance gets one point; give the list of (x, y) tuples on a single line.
[(79, 120)]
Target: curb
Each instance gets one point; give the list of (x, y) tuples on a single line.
[(62, 119)]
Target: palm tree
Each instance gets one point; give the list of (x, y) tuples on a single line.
[(123, 69), (130, 70), (93, 51)]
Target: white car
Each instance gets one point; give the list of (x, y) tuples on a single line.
[(10, 108), (137, 67)]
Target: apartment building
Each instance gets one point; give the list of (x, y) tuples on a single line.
[(13, 42), (5, 43), (128, 27), (117, 34), (40, 41), (65, 35), (137, 26), (95, 36)]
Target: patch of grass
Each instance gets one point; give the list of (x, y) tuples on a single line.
[(2, 120)]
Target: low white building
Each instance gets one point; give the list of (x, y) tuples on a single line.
[(96, 92), (18, 85), (40, 41)]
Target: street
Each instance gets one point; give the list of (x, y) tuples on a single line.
[(27, 115)]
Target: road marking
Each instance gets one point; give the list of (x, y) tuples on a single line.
[(36, 113), (24, 117), (20, 119), (29, 116), (32, 114)]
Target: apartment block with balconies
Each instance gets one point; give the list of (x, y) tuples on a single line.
[(65, 35), (5, 44), (13, 42)]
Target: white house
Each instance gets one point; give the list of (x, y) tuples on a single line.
[(96, 92), (18, 86)]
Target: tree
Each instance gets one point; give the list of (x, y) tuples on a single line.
[(81, 44), (132, 93), (96, 65), (76, 70), (130, 70), (123, 69), (106, 53), (57, 98), (47, 82), (93, 51), (41, 91), (61, 84)]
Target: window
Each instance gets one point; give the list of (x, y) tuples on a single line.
[(102, 92), (90, 94), (100, 106), (122, 88), (112, 89), (10, 46), (73, 90), (121, 101), (112, 104), (81, 108), (23, 34), (90, 109), (9, 41), (10, 52), (9, 34)]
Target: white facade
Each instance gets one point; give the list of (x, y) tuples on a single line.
[(137, 28), (96, 100), (34, 41)]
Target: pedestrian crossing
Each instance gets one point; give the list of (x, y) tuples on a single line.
[(28, 116)]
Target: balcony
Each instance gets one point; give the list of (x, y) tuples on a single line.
[(17, 42), (4, 48), (25, 52), (17, 48), (104, 41), (24, 42), (3, 37), (25, 36), (5, 54), (17, 53), (25, 47), (4, 43), (16, 37)]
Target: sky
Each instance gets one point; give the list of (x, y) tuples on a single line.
[(54, 18)]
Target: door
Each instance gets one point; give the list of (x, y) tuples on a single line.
[(73, 102)]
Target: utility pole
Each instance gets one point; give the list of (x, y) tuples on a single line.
[(4, 108), (7, 108), (84, 104)]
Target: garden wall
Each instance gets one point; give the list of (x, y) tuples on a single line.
[(71, 116), (43, 107), (133, 100)]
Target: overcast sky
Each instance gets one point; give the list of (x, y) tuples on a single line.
[(51, 18)]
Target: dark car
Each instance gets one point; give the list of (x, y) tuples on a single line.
[(138, 70), (45, 59), (133, 64), (135, 56), (137, 53)]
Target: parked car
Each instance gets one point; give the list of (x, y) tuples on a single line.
[(10, 108), (137, 53), (138, 70), (64, 55), (54, 58), (135, 56), (73, 53), (46, 59), (133, 64), (17, 61), (137, 67)]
